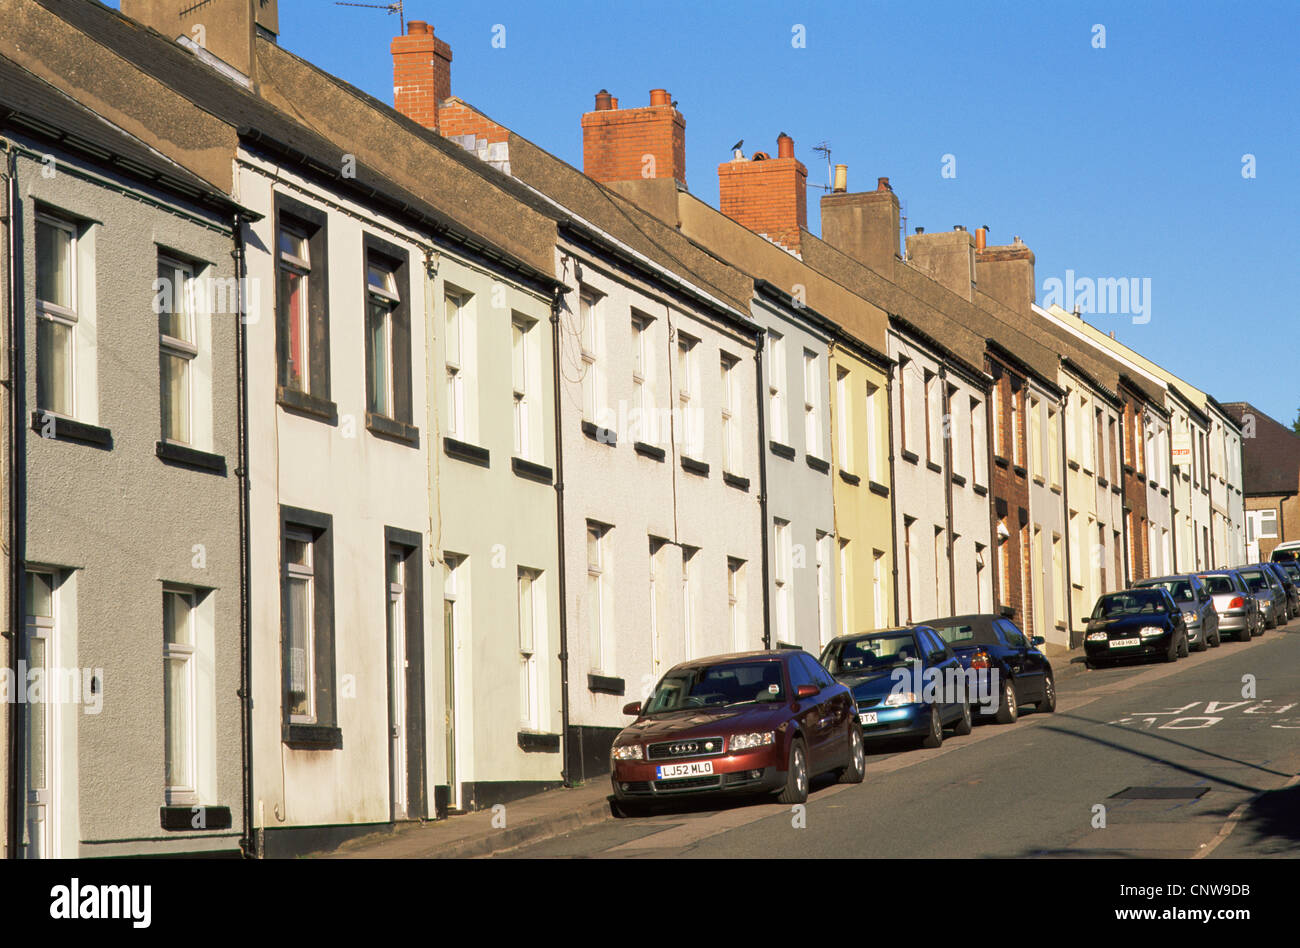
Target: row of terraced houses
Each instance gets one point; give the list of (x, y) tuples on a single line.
[(361, 461)]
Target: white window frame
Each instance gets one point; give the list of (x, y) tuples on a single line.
[(783, 577), (811, 405), (454, 305), (735, 605), (732, 451), (306, 572), (185, 654), (688, 403), (172, 347), (777, 413), (387, 297), (61, 315), (302, 267), (532, 634), (597, 625), (590, 345), (521, 354)]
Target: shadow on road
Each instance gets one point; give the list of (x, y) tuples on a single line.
[(1275, 817)]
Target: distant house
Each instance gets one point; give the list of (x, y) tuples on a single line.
[(1272, 479)]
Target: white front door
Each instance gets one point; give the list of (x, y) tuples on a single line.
[(41, 737)]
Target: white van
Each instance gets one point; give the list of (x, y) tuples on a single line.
[(1286, 551)]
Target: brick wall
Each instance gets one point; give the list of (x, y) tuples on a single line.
[(1009, 490), (1135, 493), (628, 144), (421, 73), (767, 195)]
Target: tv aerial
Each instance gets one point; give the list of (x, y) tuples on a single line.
[(395, 7)]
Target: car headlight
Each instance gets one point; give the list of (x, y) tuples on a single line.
[(740, 742), (1150, 631), (899, 698), (627, 752), (1192, 617), (1096, 636)]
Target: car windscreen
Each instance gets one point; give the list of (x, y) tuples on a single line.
[(1135, 602), (718, 686), (1180, 589), (871, 652), (1218, 584), (965, 633)]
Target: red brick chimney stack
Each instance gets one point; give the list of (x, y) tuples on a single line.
[(637, 143), (421, 73), (767, 195)]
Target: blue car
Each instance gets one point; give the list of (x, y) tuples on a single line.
[(902, 680)]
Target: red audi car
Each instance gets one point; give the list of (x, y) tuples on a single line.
[(756, 722)]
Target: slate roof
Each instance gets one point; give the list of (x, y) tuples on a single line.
[(1271, 459)]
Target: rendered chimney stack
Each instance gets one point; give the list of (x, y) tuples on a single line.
[(1006, 273), (421, 73), (632, 144), (767, 195), (230, 27), (947, 257), (864, 225)]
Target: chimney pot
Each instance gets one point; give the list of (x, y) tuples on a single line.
[(841, 179), (417, 26), (882, 184), (920, 230), (604, 101), (613, 102), (660, 97), (784, 146), (981, 238), (961, 227)]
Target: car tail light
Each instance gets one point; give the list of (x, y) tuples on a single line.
[(1237, 603), (980, 659)]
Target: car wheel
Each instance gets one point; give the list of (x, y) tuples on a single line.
[(1092, 664), (796, 777), (1048, 704), (935, 737), (1203, 644), (1008, 710), (1171, 653), (964, 724), (857, 766), (1183, 650), (1218, 639)]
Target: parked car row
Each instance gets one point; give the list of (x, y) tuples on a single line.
[(769, 722)]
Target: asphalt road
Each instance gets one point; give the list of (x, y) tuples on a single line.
[(1167, 761)]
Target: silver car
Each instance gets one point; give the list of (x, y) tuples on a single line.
[(1269, 594), (1194, 602), (1238, 609)]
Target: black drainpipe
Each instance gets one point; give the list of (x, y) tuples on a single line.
[(1068, 592), (762, 484), (947, 492), (250, 844), (565, 776), (17, 499), (1125, 519)]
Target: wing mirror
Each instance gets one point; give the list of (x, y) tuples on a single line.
[(633, 708)]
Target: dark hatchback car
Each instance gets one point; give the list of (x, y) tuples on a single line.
[(1288, 583), (1011, 668), (1135, 623), (888, 671), (1193, 598), (755, 722)]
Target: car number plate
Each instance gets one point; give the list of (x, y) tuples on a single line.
[(699, 768), (867, 717), (1124, 643)]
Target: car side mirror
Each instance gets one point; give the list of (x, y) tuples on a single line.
[(807, 691), (633, 708), (1038, 641)]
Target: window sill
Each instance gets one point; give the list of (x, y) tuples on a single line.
[(1041, 482), (1103, 482), (184, 456), (692, 466), (538, 742), (1001, 462), (1114, 488), (310, 406), (781, 450), (958, 479), (603, 685), (817, 464), (1073, 465), (66, 429), (933, 467), (181, 818), (735, 480), (981, 490), (1020, 471), (1164, 492), (601, 435), (532, 471), (391, 429), (848, 478), (909, 457), (880, 489), (462, 451), (651, 451), (312, 736)]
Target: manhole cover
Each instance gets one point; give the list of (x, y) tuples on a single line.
[(1159, 793)]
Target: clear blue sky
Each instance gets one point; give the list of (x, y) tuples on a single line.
[(1117, 162)]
